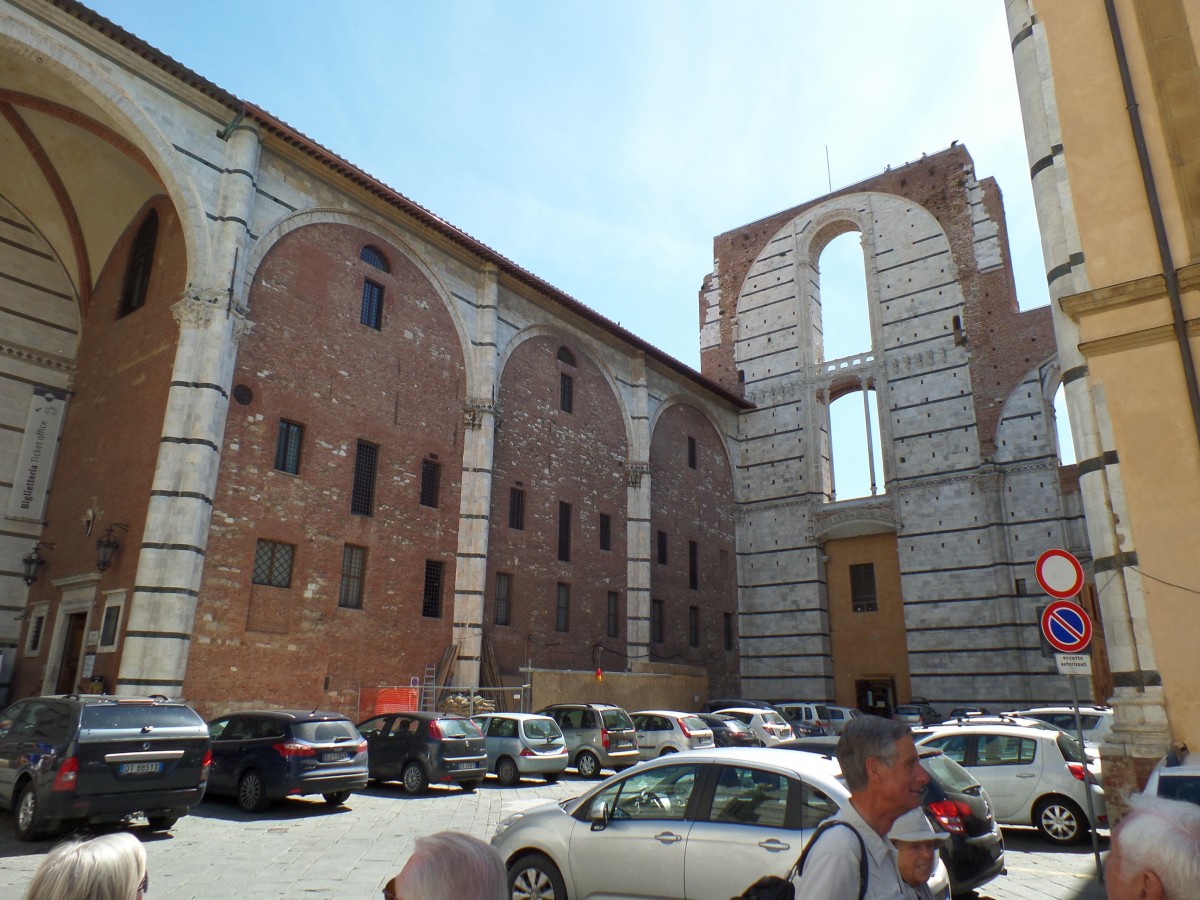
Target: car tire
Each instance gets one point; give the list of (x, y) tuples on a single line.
[(507, 772), (414, 779), (469, 786), (534, 877), (550, 777), (667, 751), (252, 792), (336, 798), (1060, 821), (27, 818), (162, 823), (588, 764)]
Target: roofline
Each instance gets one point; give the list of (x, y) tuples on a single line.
[(289, 135)]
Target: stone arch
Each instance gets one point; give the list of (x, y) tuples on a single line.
[(1020, 409)]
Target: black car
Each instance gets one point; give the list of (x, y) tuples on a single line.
[(728, 731), (80, 759), (265, 755), (417, 748)]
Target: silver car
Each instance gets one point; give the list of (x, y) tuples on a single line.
[(662, 731), (597, 734), (522, 744)]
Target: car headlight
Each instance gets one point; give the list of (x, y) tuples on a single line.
[(506, 823)]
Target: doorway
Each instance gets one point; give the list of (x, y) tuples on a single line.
[(876, 696), (68, 675)]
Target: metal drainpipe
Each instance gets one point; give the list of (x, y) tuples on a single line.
[(1160, 229)]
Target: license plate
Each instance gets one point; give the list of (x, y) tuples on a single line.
[(140, 768), (464, 765), (333, 756)]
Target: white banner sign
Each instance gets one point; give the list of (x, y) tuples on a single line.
[(35, 462), (1073, 663)]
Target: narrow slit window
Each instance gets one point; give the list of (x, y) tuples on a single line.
[(431, 476), (503, 595), (287, 447), (141, 261), (566, 392), (516, 509), (605, 531), (693, 565), (657, 615), (562, 613), (372, 305), (354, 561), (862, 588), (693, 626), (362, 494), (662, 548), (431, 594), (614, 612), (564, 532), (691, 451)]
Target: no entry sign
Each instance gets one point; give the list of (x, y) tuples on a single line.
[(1066, 626), (1059, 574)]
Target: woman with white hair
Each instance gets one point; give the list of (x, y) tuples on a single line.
[(450, 866), (109, 867), (917, 845)]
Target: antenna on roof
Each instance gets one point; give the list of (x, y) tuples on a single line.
[(828, 172)]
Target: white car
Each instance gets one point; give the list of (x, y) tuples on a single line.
[(1097, 720), (700, 825), (1176, 777), (662, 731), (1034, 776), (521, 744), (840, 716), (768, 726)]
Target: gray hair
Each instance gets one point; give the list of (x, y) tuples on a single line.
[(109, 867), (867, 737), (1162, 836), (453, 866)]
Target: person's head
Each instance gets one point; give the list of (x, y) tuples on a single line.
[(109, 867), (916, 845), (1155, 853), (450, 866), (878, 757)]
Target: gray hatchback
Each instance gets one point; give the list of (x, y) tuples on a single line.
[(423, 747), (598, 736)]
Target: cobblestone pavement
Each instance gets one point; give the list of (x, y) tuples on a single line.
[(301, 848)]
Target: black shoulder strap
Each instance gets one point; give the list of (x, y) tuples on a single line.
[(863, 871)]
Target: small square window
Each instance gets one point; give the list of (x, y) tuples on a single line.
[(503, 593), (605, 531), (354, 562), (516, 509), (562, 613), (1020, 586), (431, 477), (273, 563), (287, 447), (372, 305), (431, 595)]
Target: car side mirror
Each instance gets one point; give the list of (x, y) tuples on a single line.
[(600, 816)]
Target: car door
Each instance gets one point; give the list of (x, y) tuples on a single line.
[(1009, 768), (16, 725), (640, 851), (380, 760), (228, 736), (756, 823), (650, 734)]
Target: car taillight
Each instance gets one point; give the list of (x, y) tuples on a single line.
[(361, 747), (1081, 773), (604, 737), (683, 727), (435, 730), (293, 748), (206, 764), (68, 774), (525, 751), (949, 815)]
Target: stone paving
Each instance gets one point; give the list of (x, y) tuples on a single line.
[(301, 848)]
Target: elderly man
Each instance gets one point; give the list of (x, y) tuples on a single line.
[(450, 866), (885, 778), (1155, 851), (917, 845)]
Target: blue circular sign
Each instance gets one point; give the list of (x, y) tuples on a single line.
[(1066, 626)]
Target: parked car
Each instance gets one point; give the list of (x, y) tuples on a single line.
[(768, 726), (721, 705), (84, 759), (661, 731), (522, 744), (807, 719), (1014, 719), (718, 819), (420, 748), (840, 716), (965, 712), (1033, 776), (1097, 720), (916, 714), (260, 756), (598, 736), (1177, 776), (728, 731)]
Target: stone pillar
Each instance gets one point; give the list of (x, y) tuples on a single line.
[(211, 321), (638, 531), (475, 501)]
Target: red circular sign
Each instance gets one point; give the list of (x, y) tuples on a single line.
[(1059, 574), (1066, 626)]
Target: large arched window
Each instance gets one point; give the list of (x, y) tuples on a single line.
[(856, 455), (141, 260), (845, 319)]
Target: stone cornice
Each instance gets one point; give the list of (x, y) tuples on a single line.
[(41, 358)]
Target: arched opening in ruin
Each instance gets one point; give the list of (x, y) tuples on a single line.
[(856, 468), (845, 318)]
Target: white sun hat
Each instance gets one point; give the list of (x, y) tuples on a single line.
[(914, 826)]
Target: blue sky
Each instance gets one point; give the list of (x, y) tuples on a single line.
[(603, 145)]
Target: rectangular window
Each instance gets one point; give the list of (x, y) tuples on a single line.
[(503, 592), (110, 622), (431, 477), (354, 563), (362, 495), (691, 453), (287, 447), (562, 614), (729, 632), (693, 626), (273, 563), (1020, 586), (605, 531), (564, 531), (862, 587), (516, 509), (662, 548), (566, 392), (431, 595), (372, 304), (33, 643), (693, 565), (656, 621), (614, 612)]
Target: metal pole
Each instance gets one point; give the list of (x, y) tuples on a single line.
[(1087, 788)]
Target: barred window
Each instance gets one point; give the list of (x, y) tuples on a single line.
[(137, 271), (516, 509), (431, 598), (354, 562), (862, 587), (362, 494), (614, 612), (605, 531), (33, 641), (431, 477), (693, 626), (693, 565), (287, 447), (562, 613), (372, 304), (691, 453), (273, 563), (729, 631), (566, 392), (372, 256), (662, 548), (564, 531), (656, 621), (565, 356), (503, 592)]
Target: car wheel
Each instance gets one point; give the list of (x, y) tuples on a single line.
[(534, 877), (28, 820), (252, 793), (587, 764), (162, 823), (507, 772), (1060, 821), (336, 798), (414, 778), (550, 777), (468, 786), (666, 751)]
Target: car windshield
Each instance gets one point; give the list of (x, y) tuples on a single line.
[(334, 731), (772, 718), (541, 729), (137, 716), (616, 719), (822, 711), (946, 772), (463, 728), (1070, 748), (1180, 787), (695, 723)]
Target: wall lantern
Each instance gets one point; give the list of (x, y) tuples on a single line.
[(107, 545), (32, 561)]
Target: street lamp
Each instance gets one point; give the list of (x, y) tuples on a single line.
[(32, 561), (107, 545)]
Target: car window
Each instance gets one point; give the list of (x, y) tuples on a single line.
[(540, 730), (337, 731), (502, 728), (570, 718), (695, 723), (1005, 750), (661, 792), (954, 746), (822, 711), (616, 719), (51, 722), (267, 727), (949, 774), (1070, 749), (773, 718), (458, 728), (237, 728), (137, 715), (746, 796), (374, 727), (835, 714), (17, 719), (404, 726), (1180, 787), (815, 806)]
